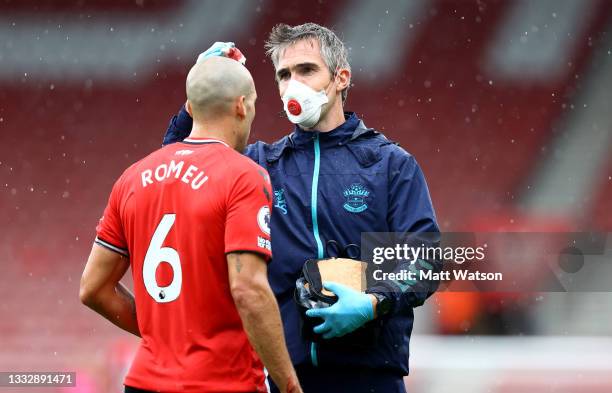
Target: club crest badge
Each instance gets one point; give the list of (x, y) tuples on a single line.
[(355, 197)]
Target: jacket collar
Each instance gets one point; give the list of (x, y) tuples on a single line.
[(340, 134), (352, 129)]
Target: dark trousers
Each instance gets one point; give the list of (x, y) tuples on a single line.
[(349, 380), (129, 389)]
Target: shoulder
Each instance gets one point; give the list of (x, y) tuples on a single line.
[(401, 162), (371, 147), (146, 161), (374, 146), (244, 166), (135, 168), (263, 152), (397, 153), (252, 150)]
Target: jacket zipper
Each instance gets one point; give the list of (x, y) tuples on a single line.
[(315, 224)]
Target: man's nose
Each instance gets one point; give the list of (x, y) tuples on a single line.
[(298, 78)]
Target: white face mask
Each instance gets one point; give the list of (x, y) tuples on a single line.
[(302, 104)]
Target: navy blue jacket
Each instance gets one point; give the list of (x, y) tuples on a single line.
[(310, 172)]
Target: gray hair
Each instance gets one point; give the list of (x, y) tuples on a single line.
[(333, 50)]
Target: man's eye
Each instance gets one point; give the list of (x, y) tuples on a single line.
[(283, 75), (306, 71)]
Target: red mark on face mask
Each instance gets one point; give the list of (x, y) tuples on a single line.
[(294, 107)]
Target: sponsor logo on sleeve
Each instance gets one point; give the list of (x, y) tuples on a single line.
[(263, 219), (264, 243)]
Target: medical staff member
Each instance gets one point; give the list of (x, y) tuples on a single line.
[(334, 178)]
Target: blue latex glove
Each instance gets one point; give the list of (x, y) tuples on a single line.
[(352, 310), (227, 49)]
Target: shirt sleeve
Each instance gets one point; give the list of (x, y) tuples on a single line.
[(109, 231), (411, 217), (249, 208)]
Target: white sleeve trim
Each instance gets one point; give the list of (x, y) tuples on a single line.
[(116, 249)]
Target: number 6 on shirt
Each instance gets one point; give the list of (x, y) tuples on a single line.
[(157, 254)]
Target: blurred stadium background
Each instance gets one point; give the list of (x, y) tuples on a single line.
[(506, 105)]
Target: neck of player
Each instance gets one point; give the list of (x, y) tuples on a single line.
[(221, 131)]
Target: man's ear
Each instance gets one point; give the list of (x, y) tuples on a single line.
[(241, 107), (188, 108), (343, 77)]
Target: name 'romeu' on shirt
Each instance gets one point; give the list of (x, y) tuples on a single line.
[(191, 174)]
